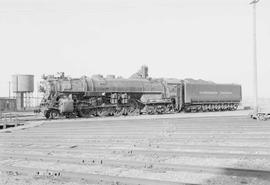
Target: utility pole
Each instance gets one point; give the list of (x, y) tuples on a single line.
[(9, 89), (255, 78)]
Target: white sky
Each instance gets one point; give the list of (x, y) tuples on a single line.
[(206, 39)]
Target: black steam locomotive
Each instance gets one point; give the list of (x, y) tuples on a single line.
[(99, 96)]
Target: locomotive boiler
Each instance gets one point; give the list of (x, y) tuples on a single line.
[(99, 96)]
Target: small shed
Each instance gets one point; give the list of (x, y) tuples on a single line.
[(7, 104)]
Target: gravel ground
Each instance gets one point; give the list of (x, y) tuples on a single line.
[(152, 137)]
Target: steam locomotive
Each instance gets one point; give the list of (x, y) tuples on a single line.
[(139, 94)]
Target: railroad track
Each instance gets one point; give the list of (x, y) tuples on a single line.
[(186, 122), (123, 132), (174, 137), (134, 151), (147, 145), (86, 177), (123, 127), (172, 115), (229, 171), (170, 143)]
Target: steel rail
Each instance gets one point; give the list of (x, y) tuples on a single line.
[(147, 145), (165, 140), (111, 128), (230, 171), (133, 151), (53, 131), (209, 115), (151, 122), (130, 125), (89, 177), (15, 136), (101, 129), (240, 119), (87, 126), (132, 128), (165, 135), (241, 143), (139, 136)]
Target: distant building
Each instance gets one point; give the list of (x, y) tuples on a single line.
[(7, 104)]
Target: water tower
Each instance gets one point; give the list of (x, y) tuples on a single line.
[(23, 87)]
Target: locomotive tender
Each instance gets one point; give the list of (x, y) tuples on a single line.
[(99, 96)]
